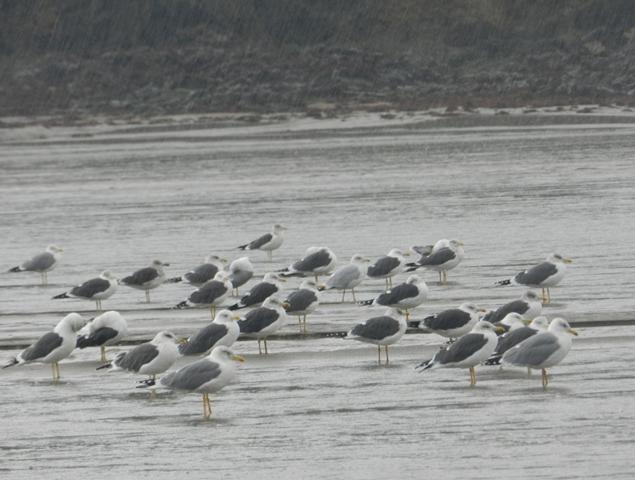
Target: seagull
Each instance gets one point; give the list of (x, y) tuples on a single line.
[(515, 336), (384, 330), (445, 255), (150, 358), (207, 375), (210, 294), (468, 351), (316, 261), (224, 330), (52, 346), (303, 301), (240, 272), (260, 292), (454, 322), (101, 331), (41, 263), (545, 275), (267, 242), (543, 350), (147, 278), (388, 266), (263, 321), (204, 272), (97, 289), (348, 277), (512, 321), (529, 306), (404, 296)]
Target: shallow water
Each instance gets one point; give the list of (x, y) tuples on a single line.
[(116, 199)]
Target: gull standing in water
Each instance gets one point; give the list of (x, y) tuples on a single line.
[(41, 263), (211, 294), (515, 336), (468, 351), (529, 306), (150, 358), (445, 255), (303, 301), (383, 330), (147, 278), (240, 272), (52, 346), (97, 289), (404, 296), (263, 321), (452, 323), (106, 329), (224, 330), (545, 275), (204, 272), (267, 242), (543, 350), (205, 376), (348, 277), (260, 292), (316, 261), (388, 266)]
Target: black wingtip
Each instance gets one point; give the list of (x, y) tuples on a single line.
[(183, 304), (61, 295), (365, 302), (414, 323), (174, 280), (233, 307), (12, 362), (243, 247), (494, 360), (105, 365), (425, 365), (14, 270), (148, 382), (504, 282)]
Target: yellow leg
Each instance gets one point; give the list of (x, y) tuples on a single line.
[(353, 292), (440, 277), (387, 360), (103, 354), (316, 279), (472, 377), (147, 296), (343, 294), (304, 324), (265, 342), (213, 308), (53, 369), (387, 287), (407, 315), (259, 348), (379, 354), (545, 379)]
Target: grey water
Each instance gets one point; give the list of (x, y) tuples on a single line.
[(116, 198)]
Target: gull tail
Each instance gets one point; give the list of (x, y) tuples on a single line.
[(148, 382), (61, 295), (414, 323), (14, 270), (84, 341), (504, 282), (243, 247), (104, 366), (365, 302), (495, 359), (425, 365), (412, 267), (174, 280), (236, 306), (12, 362)]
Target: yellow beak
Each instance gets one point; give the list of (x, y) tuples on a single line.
[(567, 260), (182, 340), (572, 331), (238, 358), (236, 317)]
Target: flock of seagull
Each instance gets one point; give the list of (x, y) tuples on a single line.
[(515, 333)]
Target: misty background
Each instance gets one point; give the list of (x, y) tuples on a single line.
[(79, 57)]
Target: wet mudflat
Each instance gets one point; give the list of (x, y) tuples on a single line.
[(322, 407)]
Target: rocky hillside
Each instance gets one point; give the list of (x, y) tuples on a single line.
[(147, 57)]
